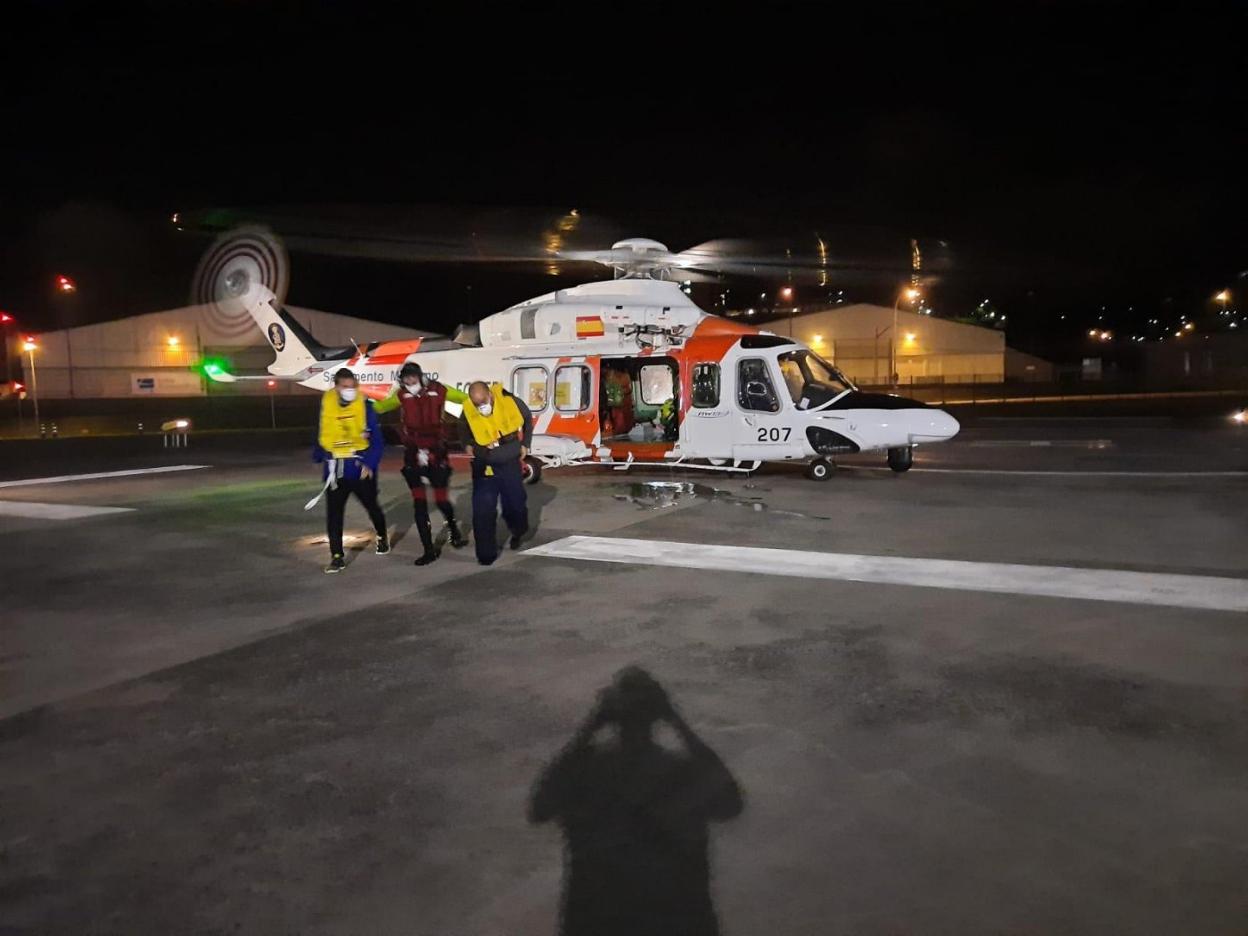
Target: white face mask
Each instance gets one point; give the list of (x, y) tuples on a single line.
[(347, 394), (485, 409), (413, 388)]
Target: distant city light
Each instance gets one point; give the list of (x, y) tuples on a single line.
[(173, 341), (29, 344), (65, 284)]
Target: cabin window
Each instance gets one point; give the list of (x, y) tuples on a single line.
[(755, 391), (529, 384), (705, 385), (528, 323), (572, 386), (657, 384)]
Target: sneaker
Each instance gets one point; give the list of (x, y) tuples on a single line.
[(383, 545), (429, 556), (458, 540), (336, 564)]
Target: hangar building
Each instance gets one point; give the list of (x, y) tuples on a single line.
[(155, 354), (859, 340)]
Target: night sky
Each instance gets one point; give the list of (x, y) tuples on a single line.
[(1055, 159)]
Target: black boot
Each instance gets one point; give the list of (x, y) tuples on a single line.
[(458, 540), (425, 529)]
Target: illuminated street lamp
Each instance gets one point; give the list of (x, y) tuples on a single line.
[(30, 346), (6, 320), (272, 385), (909, 294), (16, 387)]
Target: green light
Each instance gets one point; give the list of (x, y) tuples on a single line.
[(214, 369)]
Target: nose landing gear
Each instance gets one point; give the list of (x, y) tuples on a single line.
[(819, 470), (901, 459)]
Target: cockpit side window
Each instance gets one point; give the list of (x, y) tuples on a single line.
[(755, 391), (810, 380)]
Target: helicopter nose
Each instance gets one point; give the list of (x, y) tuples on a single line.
[(933, 425)]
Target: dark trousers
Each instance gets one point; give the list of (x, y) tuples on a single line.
[(506, 485), (438, 474), (336, 506)]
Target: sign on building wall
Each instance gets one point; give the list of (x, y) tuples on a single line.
[(164, 383)]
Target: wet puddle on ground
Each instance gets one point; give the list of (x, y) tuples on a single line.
[(664, 495)]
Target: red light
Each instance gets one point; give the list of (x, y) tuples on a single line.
[(5, 318), (65, 284), (17, 387), (272, 384)]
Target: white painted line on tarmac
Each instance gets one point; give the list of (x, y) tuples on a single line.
[(1205, 592), (1027, 472), (98, 475), (1042, 443), (30, 510)]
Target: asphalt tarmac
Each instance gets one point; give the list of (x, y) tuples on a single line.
[(1003, 693)]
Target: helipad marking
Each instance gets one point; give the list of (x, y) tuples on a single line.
[(1177, 591), (31, 510), (97, 475), (1025, 472), (1043, 443)]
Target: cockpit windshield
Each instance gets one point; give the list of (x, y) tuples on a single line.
[(811, 380)]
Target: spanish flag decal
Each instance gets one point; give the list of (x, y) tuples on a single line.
[(589, 326)]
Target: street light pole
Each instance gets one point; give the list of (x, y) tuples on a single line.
[(6, 320), (910, 293), (29, 347)]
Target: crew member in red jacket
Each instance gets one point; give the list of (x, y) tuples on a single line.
[(422, 400)]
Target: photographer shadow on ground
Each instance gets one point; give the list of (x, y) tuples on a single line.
[(635, 817)]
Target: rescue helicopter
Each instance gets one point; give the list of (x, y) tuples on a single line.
[(626, 372)]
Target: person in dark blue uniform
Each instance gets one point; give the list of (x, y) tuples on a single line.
[(501, 431)]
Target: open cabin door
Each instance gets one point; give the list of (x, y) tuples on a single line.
[(638, 405)]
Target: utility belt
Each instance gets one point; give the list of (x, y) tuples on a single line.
[(338, 464)]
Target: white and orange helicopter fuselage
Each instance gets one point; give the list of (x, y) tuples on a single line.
[(630, 372)]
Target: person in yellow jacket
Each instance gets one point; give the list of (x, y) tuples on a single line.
[(350, 445), (500, 427)]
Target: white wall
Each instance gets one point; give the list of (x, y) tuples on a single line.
[(858, 339), (102, 360)]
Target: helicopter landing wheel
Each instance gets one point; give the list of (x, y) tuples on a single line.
[(819, 470), (901, 459), (531, 470)]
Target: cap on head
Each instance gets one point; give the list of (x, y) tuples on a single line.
[(343, 374)]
